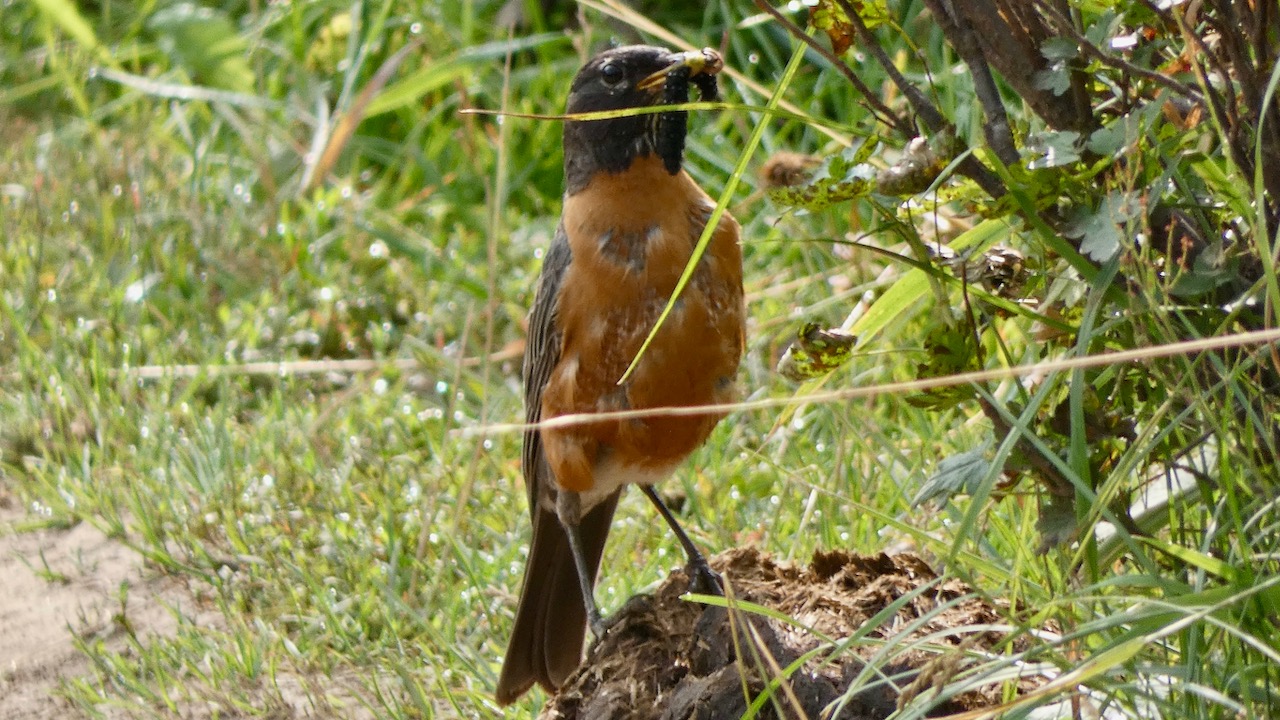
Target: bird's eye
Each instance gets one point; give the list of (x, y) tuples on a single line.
[(611, 73)]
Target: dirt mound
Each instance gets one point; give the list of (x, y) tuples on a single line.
[(665, 658)]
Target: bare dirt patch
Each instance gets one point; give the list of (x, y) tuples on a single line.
[(56, 582), (665, 658)]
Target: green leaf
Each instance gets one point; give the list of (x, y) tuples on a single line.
[(1210, 270), (205, 43), (1053, 149), (1118, 135), (1194, 558), (1109, 139), (1099, 32), (64, 14), (1057, 49), (1056, 78), (416, 85), (437, 74), (955, 475), (1100, 231), (1057, 522), (829, 17), (951, 351)]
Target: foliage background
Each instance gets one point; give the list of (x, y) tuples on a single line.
[(248, 183)]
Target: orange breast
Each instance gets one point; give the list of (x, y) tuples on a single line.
[(631, 235)]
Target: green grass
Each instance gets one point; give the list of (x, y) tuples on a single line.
[(359, 547)]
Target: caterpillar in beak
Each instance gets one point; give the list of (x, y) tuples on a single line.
[(674, 126)]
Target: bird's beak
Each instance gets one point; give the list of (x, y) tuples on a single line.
[(700, 62)]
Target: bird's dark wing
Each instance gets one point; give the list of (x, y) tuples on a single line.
[(551, 618), (541, 355)]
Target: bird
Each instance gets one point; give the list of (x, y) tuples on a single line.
[(630, 221)]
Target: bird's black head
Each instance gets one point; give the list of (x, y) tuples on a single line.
[(631, 77)]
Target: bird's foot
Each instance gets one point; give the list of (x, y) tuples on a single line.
[(599, 625), (702, 579)]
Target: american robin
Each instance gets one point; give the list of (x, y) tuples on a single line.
[(630, 222)]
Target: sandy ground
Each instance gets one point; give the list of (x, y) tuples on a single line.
[(57, 584), (54, 583)]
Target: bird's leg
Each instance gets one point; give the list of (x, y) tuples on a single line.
[(702, 579), (569, 510)]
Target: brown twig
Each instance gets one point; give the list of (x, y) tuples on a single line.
[(1105, 359), (882, 111), (1055, 482), (1224, 111), (1064, 25), (996, 128), (929, 114), (286, 368), (1248, 63)]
